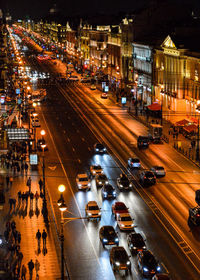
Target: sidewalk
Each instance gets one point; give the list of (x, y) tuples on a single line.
[(28, 221)]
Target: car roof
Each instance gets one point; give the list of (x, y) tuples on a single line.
[(108, 228), (157, 166), (118, 203), (124, 215), (118, 248), (92, 203), (83, 175), (108, 186)]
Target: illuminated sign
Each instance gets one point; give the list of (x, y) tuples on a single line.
[(33, 159), (123, 100), (17, 90)]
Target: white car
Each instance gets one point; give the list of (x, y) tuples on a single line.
[(92, 210), (96, 170), (35, 123), (83, 182), (124, 221)]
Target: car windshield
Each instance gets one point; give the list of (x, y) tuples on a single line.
[(102, 177), (83, 179), (159, 168), (120, 207), (137, 238), (149, 174), (135, 160), (93, 208), (126, 219), (110, 231), (121, 254), (150, 260), (99, 146), (96, 167), (108, 188)]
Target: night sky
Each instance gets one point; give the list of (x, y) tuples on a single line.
[(40, 8)]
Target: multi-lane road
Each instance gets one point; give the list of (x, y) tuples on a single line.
[(75, 118)]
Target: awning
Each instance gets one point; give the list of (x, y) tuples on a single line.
[(190, 128), (182, 123), (155, 106)]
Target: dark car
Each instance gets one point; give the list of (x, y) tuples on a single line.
[(99, 148), (136, 242), (41, 142), (108, 236), (194, 215), (108, 191), (119, 259), (124, 183), (143, 142), (101, 180), (134, 163), (147, 178), (147, 263), (161, 276), (158, 171)]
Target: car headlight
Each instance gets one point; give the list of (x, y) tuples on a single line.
[(121, 186), (134, 247), (122, 225), (117, 263), (145, 269), (102, 171), (130, 185), (104, 149), (132, 224), (114, 192), (93, 172), (144, 247), (89, 184), (99, 213), (79, 185), (100, 183), (105, 240), (158, 268), (116, 239), (128, 262), (97, 150), (106, 182), (89, 214)]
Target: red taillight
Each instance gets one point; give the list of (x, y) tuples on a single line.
[(198, 215), (145, 177)]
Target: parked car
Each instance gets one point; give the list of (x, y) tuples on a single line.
[(158, 171), (119, 259), (108, 236)]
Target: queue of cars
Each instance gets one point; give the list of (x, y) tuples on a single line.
[(119, 258)]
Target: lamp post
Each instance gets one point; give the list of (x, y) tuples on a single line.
[(43, 146), (197, 149)]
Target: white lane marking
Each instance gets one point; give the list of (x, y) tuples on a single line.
[(73, 149), (83, 139), (68, 139), (89, 148)]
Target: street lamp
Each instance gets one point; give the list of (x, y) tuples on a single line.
[(197, 149)]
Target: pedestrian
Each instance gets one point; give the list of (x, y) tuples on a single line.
[(14, 233), (36, 199), (31, 199), (176, 135), (18, 167), (19, 237), (38, 236), (40, 184), (7, 180), (19, 194), (11, 181), (31, 267), (8, 227), (26, 168), (23, 272), (28, 183), (13, 225), (44, 238), (20, 258), (22, 168), (6, 235), (10, 203), (23, 198), (37, 266), (14, 203), (26, 197)]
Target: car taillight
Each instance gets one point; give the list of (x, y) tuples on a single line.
[(145, 177), (198, 215)]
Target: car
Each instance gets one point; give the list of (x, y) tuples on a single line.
[(96, 170), (108, 191), (147, 178), (93, 87), (104, 95), (35, 122), (108, 236), (92, 210), (123, 182), (119, 259), (83, 182), (101, 180), (124, 221), (147, 263), (134, 163), (118, 208), (136, 243), (85, 80), (143, 142), (158, 171), (99, 148), (161, 276), (194, 215), (73, 78), (41, 142)]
